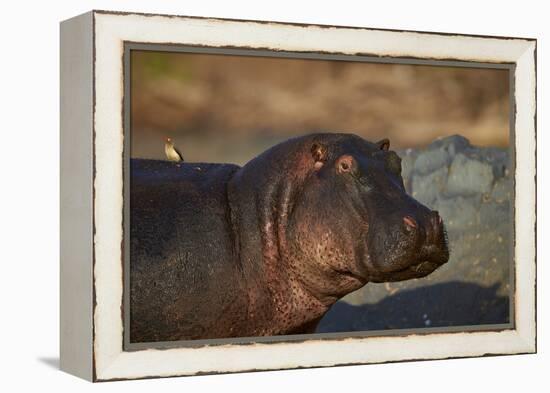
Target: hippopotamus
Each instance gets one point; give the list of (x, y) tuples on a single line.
[(219, 251)]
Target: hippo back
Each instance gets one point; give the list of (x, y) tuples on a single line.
[(182, 261)]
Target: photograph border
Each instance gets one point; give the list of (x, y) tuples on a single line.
[(92, 62), (173, 48)]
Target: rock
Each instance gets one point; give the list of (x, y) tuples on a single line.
[(431, 161), (468, 176), (408, 157), (493, 214), (502, 190), (497, 158), (427, 188), (460, 212), (440, 153), (453, 144)]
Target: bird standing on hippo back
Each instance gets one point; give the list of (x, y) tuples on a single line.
[(266, 249), (171, 151)]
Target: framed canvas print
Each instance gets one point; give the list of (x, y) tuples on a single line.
[(246, 195)]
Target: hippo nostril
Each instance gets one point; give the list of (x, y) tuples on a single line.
[(410, 223), (436, 223)]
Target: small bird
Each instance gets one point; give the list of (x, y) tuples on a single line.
[(172, 153)]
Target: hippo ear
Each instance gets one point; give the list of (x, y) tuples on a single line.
[(384, 144), (319, 154)]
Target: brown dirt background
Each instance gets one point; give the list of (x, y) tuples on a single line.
[(221, 108)]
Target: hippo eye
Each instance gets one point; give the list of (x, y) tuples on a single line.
[(345, 164)]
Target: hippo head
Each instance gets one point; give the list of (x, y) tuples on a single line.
[(355, 213), (334, 208)]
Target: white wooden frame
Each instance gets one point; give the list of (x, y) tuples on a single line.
[(92, 195)]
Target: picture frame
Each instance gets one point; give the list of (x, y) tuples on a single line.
[(94, 150)]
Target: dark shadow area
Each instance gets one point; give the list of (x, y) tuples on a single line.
[(441, 305), (52, 362)]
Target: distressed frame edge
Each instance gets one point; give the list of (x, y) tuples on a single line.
[(525, 338), (525, 189), (76, 196), (304, 24)]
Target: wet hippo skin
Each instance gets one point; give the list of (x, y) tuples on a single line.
[(219, 251)]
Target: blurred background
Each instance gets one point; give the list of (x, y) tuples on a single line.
[(221, 108), (450, 125)]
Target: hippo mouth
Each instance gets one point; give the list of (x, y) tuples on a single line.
[(432, 257), (417, 270), (411, 261)]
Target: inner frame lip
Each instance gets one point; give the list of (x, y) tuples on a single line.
[(129, 46)]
